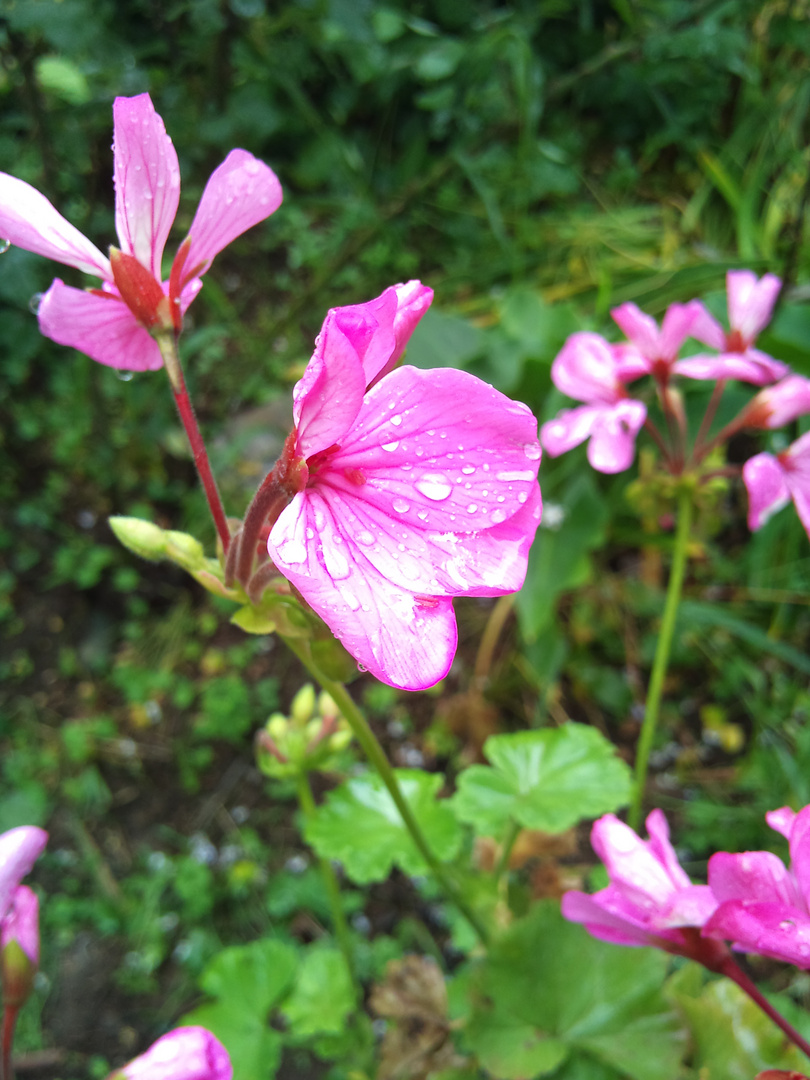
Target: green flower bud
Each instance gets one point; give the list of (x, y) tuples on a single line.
[(142, 537), (303, 704)]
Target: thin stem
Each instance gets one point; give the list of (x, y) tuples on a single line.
[(658, 439), (708, 417), (167, 344), (737, 975), (662, 651), (307, 803), (489, 639), (376, 757), (506, 850), (10, 1014)]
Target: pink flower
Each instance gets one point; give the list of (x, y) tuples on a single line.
[(772, 482), (652, 351), (21, 923), (650, 900), (406, 488), (750, 303), (764, 907), (187, 1053), (779, 404), (112, 324), (588, 370), (19, 850)]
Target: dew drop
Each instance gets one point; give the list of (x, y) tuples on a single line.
[(498, 516), (351, 600), (396, 420), (523, 497), (390, 446), (293, 551), (422, 515), (401, 506), (34, 302), (472, 508), (362, 668), (532, 451), (4, 246), (508, 476), (434, 486), (468, 470), (364, 537), (125, 376)]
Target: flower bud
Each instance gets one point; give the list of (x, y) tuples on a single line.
[(19, 947), (277, 726), (303, 704), (187, 1053), (327, 707), (141, 537)]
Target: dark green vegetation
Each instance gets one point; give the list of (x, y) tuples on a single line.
[(536, 163)]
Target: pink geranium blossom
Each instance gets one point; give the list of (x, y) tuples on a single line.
[(772, 481), (652, 351), (588, 369), (187, 1053), (750, 303), (650, 900), (406, 488), (112, 324), (21, 923), (779, 404), (19, 850), (764, 907)]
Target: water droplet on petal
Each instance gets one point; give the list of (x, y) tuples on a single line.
[(390, 446), (362, 667), (34, 302), (498, 516), (292, 550), (532, 451), (422, 515), (351, 600), (468, 470), (401, 506), (125, 376), (472, 508), (434, 486), (508, 476), (396, 420), (523, 497), (364, 537), (4, 246)]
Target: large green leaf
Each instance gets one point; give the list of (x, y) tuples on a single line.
[(547, 780), (360, 825), (323, 995), (559, 992)]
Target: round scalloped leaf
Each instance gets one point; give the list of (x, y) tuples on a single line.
[(360, 825), (547, 780)]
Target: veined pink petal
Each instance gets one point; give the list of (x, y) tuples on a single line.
[(147, 181), (637, 327), (770, 929), (630, 363), (404, 640), (240, 193), (30, 222), (800, 854), (765, 481), (781, 820), (613, 441), (770, 370), (19, 850), (569, 428), (101, 326), (585, 369), (187, 1053), (752, 875), (750, 301), (328, 397), (662, 849), (21, 923), (607, 915), (458, 470), (677, 325), (631, 865), (692, 905)]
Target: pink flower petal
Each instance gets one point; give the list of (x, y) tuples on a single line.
[(677, 325), (662, 849), (147, 181), (637, 327), (569, 428), (750, 301), (775, 930), (240, 193), (187, 1053), (613, 442), (800, 854), (781, 820), (707, 329), (404, 640), (585, 369), (765, 481), (606, 917), (780, 404), (101, 326), (21, 923), (631, 864), (19, 850), (751, 367), (752, 875), (692, 905), (630, 363), (30, 222)]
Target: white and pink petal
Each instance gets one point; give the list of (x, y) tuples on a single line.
[(750, 301), (766, 483), (613, 442)]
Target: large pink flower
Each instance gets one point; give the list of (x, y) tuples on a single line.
[(410, 487), (772, 481), (588, 369), (764, 907), (654, 351), (112, 324), (19, 850), (650, 900), (187, 1053), (750, 303)]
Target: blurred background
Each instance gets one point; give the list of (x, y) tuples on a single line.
[(536, 162)]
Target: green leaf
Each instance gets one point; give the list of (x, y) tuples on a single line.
[(441, 340), (63, 79), (253, 620), (360, 825), (547, 780), (553, 987), (254, 1048), (323, 995)]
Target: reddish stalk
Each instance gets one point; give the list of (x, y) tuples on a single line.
[(10, 1014), (711, 410), (168, 350), (737, 975)]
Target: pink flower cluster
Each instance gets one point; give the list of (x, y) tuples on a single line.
[(19, 912), (752, 900), (596, 372)]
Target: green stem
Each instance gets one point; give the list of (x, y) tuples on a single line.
[(506, 851), (307, 803), (662, 651), (376, 757)]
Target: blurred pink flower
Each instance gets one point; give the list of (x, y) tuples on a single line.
[(650, 900), (779, 404), (406, 487), (112, 324), (750, 303), (764, 907), (652, 351), (21, 923), (19, 850), (587, 369), (187, 1053), (772, 481)]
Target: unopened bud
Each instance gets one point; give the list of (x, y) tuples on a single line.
[(303, 704), (327, 707), (19, 947), (277, 726), (185, 549), (142, 537)]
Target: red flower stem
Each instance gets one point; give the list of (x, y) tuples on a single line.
[(269, 500), (167, 343), (730, 969), (658, 439), (10, 1014), (711, 410)]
